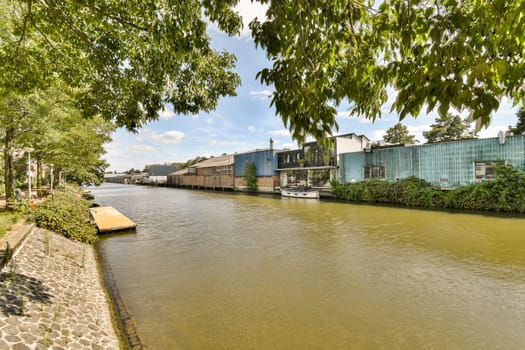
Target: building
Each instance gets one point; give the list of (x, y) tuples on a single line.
[(157, 174), (265, 162), (214, 173), (314, 165), (446, 164)]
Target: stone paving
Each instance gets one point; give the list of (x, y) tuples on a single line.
[(51, 297)]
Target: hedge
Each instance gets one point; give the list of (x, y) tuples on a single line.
[(506, 193)]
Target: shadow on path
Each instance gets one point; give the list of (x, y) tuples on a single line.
[(16, 289)]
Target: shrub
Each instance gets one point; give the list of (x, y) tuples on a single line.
[(66, 214), (505, 193), (250, 177), (410, 192)]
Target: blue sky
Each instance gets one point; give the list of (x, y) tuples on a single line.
[(247, 121)]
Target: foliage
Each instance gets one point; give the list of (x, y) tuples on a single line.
[(437, 55), (448, 128), (410, 192), (520, 125), (398, 134), (505, 193), (250, 177), (190, 162), (127, 59), (48, 122), (67, 214)]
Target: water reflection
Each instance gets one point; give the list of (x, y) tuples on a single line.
[(223, 271)]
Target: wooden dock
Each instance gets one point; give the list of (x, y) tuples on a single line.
[(109, 219)]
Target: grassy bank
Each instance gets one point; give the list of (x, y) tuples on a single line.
[(506, 193)]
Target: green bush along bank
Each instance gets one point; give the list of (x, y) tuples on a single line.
[(506, 193), (67, 214)]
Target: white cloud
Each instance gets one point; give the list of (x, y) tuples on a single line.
[(166, 114), (283, 132), (143, 148), (227, 143), (378, 134), (261, 94), (289, 146), (492, 131), (343, 114), (252, 128), (171, 137), (414, 129), (209, 121), (417, 131), (248, 11)]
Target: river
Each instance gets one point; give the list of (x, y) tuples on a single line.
[(210, 270)]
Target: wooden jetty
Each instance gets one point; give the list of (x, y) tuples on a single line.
[(109, 219)]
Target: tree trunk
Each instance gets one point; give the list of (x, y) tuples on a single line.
[(8, 166), (39, 177)]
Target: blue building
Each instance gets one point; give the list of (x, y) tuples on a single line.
[(446, 164), (265, 161)]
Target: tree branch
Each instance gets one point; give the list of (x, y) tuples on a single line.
[(24, 27), (66, 21), (119, 19)]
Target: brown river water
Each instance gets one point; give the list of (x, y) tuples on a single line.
[(210, 270)]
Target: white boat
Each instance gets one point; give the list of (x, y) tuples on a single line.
[(298, 192)]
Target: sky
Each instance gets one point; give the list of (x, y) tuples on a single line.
[(247, 122)]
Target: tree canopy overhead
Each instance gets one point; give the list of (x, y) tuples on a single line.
[(129, 57), (446, 55), (132, 57)]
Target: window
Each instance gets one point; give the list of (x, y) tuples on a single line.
[(374, 172), (486, 170)]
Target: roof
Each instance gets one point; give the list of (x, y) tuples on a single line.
[(160, 170), (258, 150), (180, 172), (215, 161)]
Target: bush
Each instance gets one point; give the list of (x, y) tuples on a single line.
[(505, 193), (410, 192), (66, 214)]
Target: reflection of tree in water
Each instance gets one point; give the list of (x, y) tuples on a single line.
[(16, 289)]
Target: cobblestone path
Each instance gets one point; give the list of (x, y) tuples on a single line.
[(51, 297)]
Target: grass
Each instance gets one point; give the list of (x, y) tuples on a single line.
[(8, 219)]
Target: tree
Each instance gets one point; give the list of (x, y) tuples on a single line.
[(520, 125), (128, 59), (437, 55), (449, 128), (15, 121), (399, 134), (250, 177), (48, 122)]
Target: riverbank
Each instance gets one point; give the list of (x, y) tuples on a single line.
[(51, 296)]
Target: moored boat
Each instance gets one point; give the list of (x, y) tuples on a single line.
[(299, 192)]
